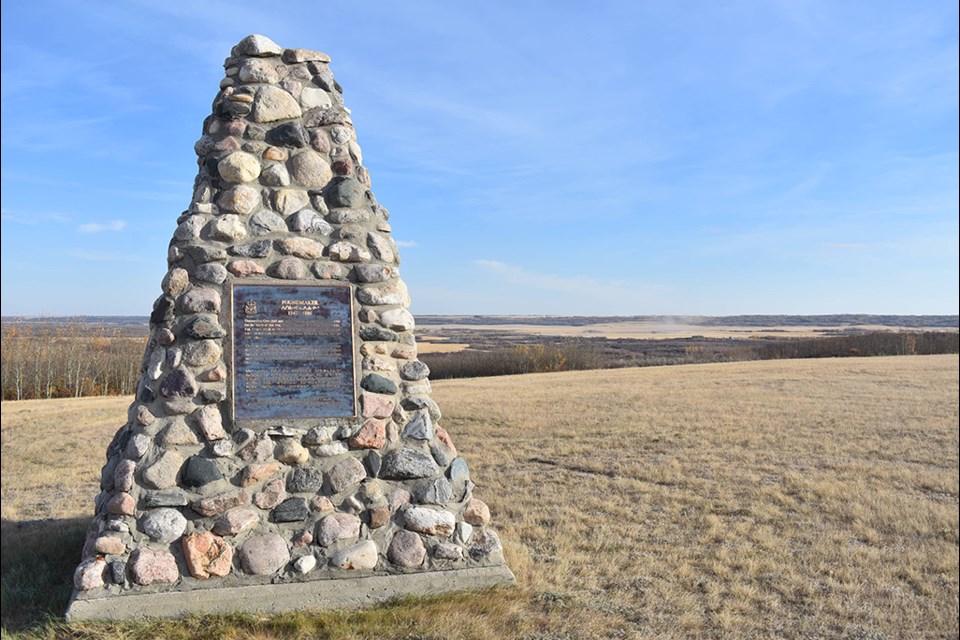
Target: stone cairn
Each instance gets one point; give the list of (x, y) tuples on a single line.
[(190, 500)]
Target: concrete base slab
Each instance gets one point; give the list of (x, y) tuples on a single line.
[(344, 593)]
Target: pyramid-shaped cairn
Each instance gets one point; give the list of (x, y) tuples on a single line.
[(283, 450)]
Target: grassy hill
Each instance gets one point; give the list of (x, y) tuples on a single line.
[(814, 498)]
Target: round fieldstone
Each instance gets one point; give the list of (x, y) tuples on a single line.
[(287, 201), (376, 383), (415, 370), (345, 193), (376, 406), (201, 300), (394, 293), (236, 521), (176, 281), (273, 103), (430, 521), (89, 575), (152, 567), (289, 134), (123, 475), (361, 556), (275, 175), (406, 550), (239, 166), (437, 491), (264, 554), (370, 333), (401, 320), (374, 273), (459, 472), (476, 512), (290, 450), (315, 98), (189, 229), (240, 199), (207, 555), (406, 464), (289, 269), (486, 545), (254, 70), (205, 328), (228, 228), (310, 170), (265, 222), (211, 272), (199, 471), (420, 428), (258, 249), (164, 525), (305, 564), (291, 510), (372, 435), (202, 353), (310, 222), (346, 473), (448, 551), (300, 247), (215, 505), (337, 526), (272, 494), (179, 383), (257, 45), (245, 268), (303, 480), (162, 473)]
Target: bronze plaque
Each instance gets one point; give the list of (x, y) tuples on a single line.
[(293, 352)]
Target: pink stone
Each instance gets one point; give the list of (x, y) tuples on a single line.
[(376, 406), (398, 498), (165, 337), (123, 475), (272, 494), (302, 538), (216, 374), (122, 504), (345, 474), (216, 505), (321, 504), (372, 435), (210, 423), (109, 545), (144, 416), (89, 575), (259, 450), (406, 550), (264, 554), (233, 522), (444, 437), (320, 141), (404, 353), (149, 567), (258, 471), (379, 516), (245, 268), (476, 512), (236, 127), (337, 526), (207, 555)]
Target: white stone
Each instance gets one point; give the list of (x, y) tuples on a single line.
[(312, 98), (397, 320), (228, 228), (257, 45), (239, 166), (360, 556), (429, 521), (305, 564), (273, 104)]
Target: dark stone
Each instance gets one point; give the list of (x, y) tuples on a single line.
[(178, 383), (305, 480), (167, 498), (258, 249), (375, 383), (118, 571), (210, 396), (205, 328), (204, 253), (373, 332), (440, 453), (406, 464), (106, 474), (289, 134), (437, 491), (120, 440), (231, 110), (253, 132), (415, 370), (198, 471), (373, 462), (291, 510), (146, 395), (345, 192), (321, 117), (162, 314)]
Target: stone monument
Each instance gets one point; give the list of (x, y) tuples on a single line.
[(283, 450)]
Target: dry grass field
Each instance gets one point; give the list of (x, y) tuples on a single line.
[(775, 499)]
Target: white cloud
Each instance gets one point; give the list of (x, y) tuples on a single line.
[(579, 285), (97, 227), (405, 243)]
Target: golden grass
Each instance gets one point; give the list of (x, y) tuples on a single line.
[(653, 330), (436, 345), (790, 499)]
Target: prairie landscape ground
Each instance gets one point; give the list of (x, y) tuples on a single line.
[(770, 499)]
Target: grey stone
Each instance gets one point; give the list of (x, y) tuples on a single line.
[(345, 193), (273, 103), (264, 222), (275, 175), (205, 253), (394, 293), (346, 474), (459, 472), (123, 475), (370, 333), (376, 383), (162, 474), (202, 353), (258, 249), (430, 521), (200, 300), (406, 550), (189, 229), (374, 273), (257, 45), (335, 527), (211, 272), (329, 450), (89, 574), (464, 531), (291, 56), (420, 428), (437, 491), (406, 464), (254, 70), (264, 554), (311, 222), (415, 370), (291, 510), (169, 498), (228, 228), (448, 551), (155, 363), (118, 571), (162, 313), (289, 269), (320, 435), (137, 446), (486, 546), (381, 248), (164, 525), (289, 134), (205, 328), (199, 471), (306, 248), (303, 480)]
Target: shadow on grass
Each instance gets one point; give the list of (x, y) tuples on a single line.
[(36, 570)]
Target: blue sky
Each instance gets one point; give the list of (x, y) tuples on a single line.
[(537, 157)]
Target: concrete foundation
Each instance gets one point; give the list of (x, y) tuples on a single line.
[(349, 593)]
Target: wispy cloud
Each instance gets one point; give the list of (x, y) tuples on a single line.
[(405, 243), (21, 217), (579, 285), (98, 227)]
